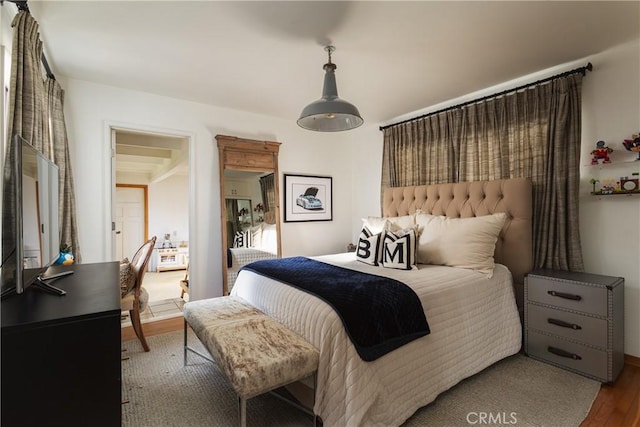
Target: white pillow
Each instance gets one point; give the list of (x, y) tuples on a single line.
[(399, 249), (369, 248), (459, 242), (269, 241), (391, 223), (256, 236)]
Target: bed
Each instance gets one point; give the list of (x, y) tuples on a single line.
[(264, 245), (472, 315)]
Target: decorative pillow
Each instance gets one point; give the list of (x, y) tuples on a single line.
[(399, 249), (242, 239), (459, 242), (369, 247), (127, 277), (392, 223)]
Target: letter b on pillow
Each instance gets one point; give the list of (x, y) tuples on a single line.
[(368, 250)]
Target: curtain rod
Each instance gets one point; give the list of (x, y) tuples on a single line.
[(582, 70), (23, 6)]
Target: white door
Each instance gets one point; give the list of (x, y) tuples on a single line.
[(129, 221)]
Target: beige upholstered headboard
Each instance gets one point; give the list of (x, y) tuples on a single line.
[(467, 199)]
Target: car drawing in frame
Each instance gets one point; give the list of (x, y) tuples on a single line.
[(308, 200)]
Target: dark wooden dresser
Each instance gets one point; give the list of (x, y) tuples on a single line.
[(576, 321), (61, 354)]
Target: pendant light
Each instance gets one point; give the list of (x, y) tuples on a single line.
[(330, 113)]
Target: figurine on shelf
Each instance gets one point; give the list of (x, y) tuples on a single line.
[(633, 144), (601, 152)]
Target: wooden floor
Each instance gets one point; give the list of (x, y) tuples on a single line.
[(616, 405), (154, 328)]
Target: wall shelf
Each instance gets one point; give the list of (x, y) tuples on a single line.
[(615, 193)]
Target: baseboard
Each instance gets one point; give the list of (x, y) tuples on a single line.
[(632, 360)]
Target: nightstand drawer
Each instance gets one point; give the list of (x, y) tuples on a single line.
[(573, 296), (589, 330), (574, 356)]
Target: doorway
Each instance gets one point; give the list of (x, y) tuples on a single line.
[(151, 197)]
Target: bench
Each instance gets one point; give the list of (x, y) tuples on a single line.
[(255, 352)]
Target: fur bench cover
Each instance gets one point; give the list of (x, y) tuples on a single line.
[(256, 353)]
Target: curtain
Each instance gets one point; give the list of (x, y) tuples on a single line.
[(268, 191), (421, 151), (534, 133), (26, 113), (232, 225), (61, 157)]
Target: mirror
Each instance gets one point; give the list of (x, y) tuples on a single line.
[(239, 217), (249, 198)]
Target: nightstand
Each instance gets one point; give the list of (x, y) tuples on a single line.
[(575, 321)]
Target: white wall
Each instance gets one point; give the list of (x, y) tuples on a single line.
[(90, 108), (169, 209), (609, 227)]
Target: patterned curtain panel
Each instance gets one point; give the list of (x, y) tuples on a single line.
[(60, 149), (268, 190), (421, 151), (532, 134), (233, 226), (26, 112)]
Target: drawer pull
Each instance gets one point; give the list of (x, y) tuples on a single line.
[(563, 353), (564, 324), (565, 296)]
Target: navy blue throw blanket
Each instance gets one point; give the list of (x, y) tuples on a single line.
[(378, 313)]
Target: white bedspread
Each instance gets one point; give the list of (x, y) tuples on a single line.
[(474, 322)]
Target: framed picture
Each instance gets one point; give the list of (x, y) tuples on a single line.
[(307, 198)]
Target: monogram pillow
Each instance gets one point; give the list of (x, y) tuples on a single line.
[(399, 249), (242, 239), (369, 247)]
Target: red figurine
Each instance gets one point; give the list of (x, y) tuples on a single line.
[(601, 152), (633, 144)]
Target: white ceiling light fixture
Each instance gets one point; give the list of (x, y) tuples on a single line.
[(330, 113)]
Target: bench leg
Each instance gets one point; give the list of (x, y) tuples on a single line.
[(184, 361), (315, 387), (242, 411)]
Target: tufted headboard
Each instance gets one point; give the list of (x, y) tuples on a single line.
[(514, 247)]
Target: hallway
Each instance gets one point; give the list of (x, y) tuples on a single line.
[(164, 296)]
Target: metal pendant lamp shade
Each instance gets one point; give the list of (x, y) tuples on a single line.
[(330, 113)]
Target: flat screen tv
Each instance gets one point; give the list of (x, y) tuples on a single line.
[(32, 242)]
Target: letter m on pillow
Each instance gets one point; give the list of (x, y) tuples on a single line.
[(399, 250), (394, 254)]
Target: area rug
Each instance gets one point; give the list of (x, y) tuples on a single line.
[(517, 391)]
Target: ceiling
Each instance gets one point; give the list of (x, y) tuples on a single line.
[(266, 57), (153, 156)]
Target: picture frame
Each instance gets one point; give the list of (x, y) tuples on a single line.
[(308, 198)]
